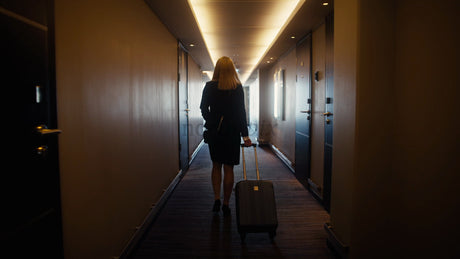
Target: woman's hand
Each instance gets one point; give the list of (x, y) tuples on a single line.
[(247, 142)]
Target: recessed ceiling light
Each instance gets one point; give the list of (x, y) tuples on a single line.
[(292, 37), (210, 28), (272, 58), (191, 45), (325, 3)]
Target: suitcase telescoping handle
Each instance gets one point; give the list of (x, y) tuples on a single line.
[(244, 161)]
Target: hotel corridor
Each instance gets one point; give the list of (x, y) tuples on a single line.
[(103, 127), (186, 227)]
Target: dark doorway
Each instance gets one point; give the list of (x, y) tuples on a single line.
[(183, 107), (329, 108), (303, 111), (31, 211)]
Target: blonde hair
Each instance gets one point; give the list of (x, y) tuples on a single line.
[(225, 74)]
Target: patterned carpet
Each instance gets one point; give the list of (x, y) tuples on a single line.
[(186, 227)]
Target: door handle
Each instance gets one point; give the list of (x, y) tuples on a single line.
[(43, 130), (187, 110), (327, 113)]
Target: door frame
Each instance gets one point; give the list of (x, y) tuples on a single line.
[(182, 126), (318, 106), (325, 198)]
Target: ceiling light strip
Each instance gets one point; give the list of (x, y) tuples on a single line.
[(202, 12), (290, 15), (199, 13)]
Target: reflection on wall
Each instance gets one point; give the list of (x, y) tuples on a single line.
[(279, 91), (117, 106), (273, 129)]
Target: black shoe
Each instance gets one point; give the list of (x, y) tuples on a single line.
[(226, 210), (216, 206)]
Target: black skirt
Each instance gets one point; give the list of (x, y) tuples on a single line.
[(225, 149)]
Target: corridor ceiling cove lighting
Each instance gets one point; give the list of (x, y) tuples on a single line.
[(242, 30)]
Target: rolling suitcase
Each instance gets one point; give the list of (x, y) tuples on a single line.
[(255, 204)]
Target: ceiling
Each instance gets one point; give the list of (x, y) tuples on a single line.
[(239, 21)]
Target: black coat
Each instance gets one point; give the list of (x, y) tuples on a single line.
[(216, 103)]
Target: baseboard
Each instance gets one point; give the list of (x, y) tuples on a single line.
[(315, 190), (151, 216), (339, 249), (197, 149), (263, 143), (156, 209), (283, 158)]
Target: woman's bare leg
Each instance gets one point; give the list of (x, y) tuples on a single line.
[(216, 179), (228, 183)]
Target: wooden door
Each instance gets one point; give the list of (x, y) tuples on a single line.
[(30, 195), (183, 108), (303, 111), (318, 109)]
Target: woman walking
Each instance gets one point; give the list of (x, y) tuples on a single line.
[(222, 106)]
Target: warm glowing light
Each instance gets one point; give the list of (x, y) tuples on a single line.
[(209, 73), (211, 29), (325, 3)]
